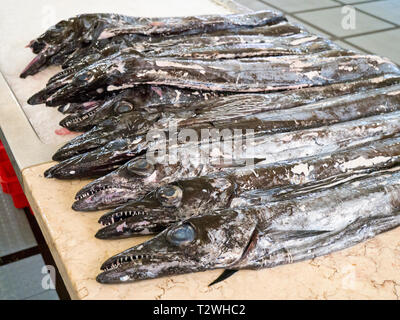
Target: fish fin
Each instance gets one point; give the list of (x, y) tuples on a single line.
[(223, 276)]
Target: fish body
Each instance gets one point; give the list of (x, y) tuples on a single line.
[(61, 40), (147, 98), (254, 112), (266, 235), (270, 148), (106, 47), (237, 75), (190, 197)]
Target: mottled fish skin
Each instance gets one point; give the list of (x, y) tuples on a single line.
[(148, 98), (195, 24), (189, 197), (61, 40), (270, 148), (238, 75), (266, 235), (106, 47), (76, 108), (247, 112), (138, 177)]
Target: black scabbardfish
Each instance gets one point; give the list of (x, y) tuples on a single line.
[(185, 198), (265, 235)]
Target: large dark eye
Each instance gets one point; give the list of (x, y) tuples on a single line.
[(140, 167), (123, 107), (116, 145), (83, 76), (181, 235), (170, 196)]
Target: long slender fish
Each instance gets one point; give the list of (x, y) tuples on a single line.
[(209, 47), (240, 75), (266, 235), (270, 148), (206, 48), (103, 48), (57, 43), (185, 198), (247, 112), (161, 98)]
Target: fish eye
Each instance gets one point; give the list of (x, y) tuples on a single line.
[(183, 234), (140, 167), (84, 76), (123, 107), (170, 196), (116, 144)]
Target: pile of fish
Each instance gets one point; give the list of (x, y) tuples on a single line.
[(320, 172)]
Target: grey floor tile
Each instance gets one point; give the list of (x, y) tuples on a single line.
[(299, 5), (347, 46), (307, 26), (15, 232), (21, 279), (388, 9), (353, 1), (255, 5), (330, 20), (383, 43), (46, 295)]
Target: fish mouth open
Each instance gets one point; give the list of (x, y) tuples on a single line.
[(41, 59), (187, 246), (162, 207), (86, 142), (131, 223), (103, 197), (100, 161), (129, 182), (74, 121), (145, 207)]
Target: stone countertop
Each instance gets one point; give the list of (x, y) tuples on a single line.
[(369, 270)]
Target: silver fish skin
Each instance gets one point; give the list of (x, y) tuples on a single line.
[(105, 48), (266, 235), (270, 148), (150, 99), (190, 197), (60, 41), (195, 24), (254, 112), (239, 75)]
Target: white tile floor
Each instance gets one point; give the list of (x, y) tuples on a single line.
[(21, 279), (15, 232), (331, 21), (377, 27)]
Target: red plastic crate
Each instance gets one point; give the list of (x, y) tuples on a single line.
[(9, 181)]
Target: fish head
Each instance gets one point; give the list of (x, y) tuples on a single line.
[(100, 161), (54, 44), (89, 117), (110, 129), (166, 205), (211, 241), (126, 183), (93, 79)]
